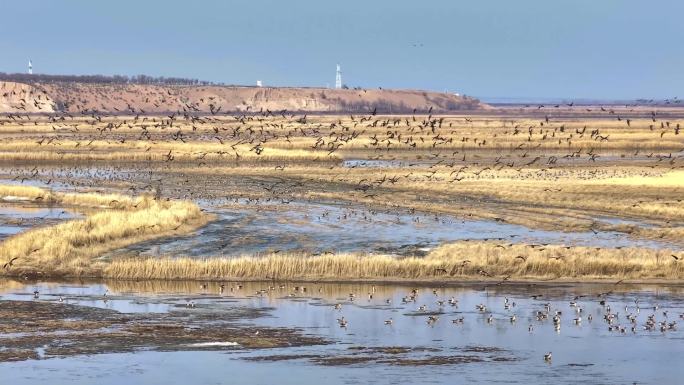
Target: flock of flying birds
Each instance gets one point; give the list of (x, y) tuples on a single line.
[(206, 121), (254, 130), (434, 139)]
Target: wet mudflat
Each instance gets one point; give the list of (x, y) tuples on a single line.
[(41, 326), (343, 333)]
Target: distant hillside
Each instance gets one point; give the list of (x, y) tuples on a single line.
[(18, 97), (117, 98)]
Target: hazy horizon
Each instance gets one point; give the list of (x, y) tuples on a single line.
[(526, 50)]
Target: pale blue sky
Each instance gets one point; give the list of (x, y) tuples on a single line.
[(507, 48)]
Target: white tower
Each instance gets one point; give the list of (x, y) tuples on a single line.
[(30, 68), (338, 78)]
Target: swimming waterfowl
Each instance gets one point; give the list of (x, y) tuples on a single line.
[(342, 322)]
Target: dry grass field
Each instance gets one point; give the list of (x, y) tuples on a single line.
[(590, 169)]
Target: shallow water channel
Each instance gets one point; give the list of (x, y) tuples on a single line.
[(18, 216), (320, 228), (486, 347)]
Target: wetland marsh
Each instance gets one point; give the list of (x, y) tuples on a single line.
[(375, 249)]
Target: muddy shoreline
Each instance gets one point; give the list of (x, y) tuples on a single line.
[(39, 330)]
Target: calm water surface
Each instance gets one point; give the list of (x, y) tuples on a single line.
[(586, 352)]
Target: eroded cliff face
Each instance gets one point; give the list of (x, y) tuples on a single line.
[(150, 99), (24, 98)]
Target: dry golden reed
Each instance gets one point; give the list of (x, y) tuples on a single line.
[(71, 248), (458, 261)]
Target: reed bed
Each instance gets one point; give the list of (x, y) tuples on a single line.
[(96, 200), (559, 261), (71, 248), (458, 261)]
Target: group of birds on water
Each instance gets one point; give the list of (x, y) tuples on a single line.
[(625, 322), (538, 309)]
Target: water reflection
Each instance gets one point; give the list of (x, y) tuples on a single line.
[(486, 347)]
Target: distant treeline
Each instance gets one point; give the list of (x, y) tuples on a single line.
[(394, 107), (102, 79)]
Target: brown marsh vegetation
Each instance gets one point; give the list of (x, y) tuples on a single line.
[(485, 261), (562, 172), (72, 248)]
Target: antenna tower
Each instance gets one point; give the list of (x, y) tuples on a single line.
[(338, 78)]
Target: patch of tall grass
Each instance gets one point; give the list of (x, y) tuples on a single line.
[(458, 261), (71, 248)]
